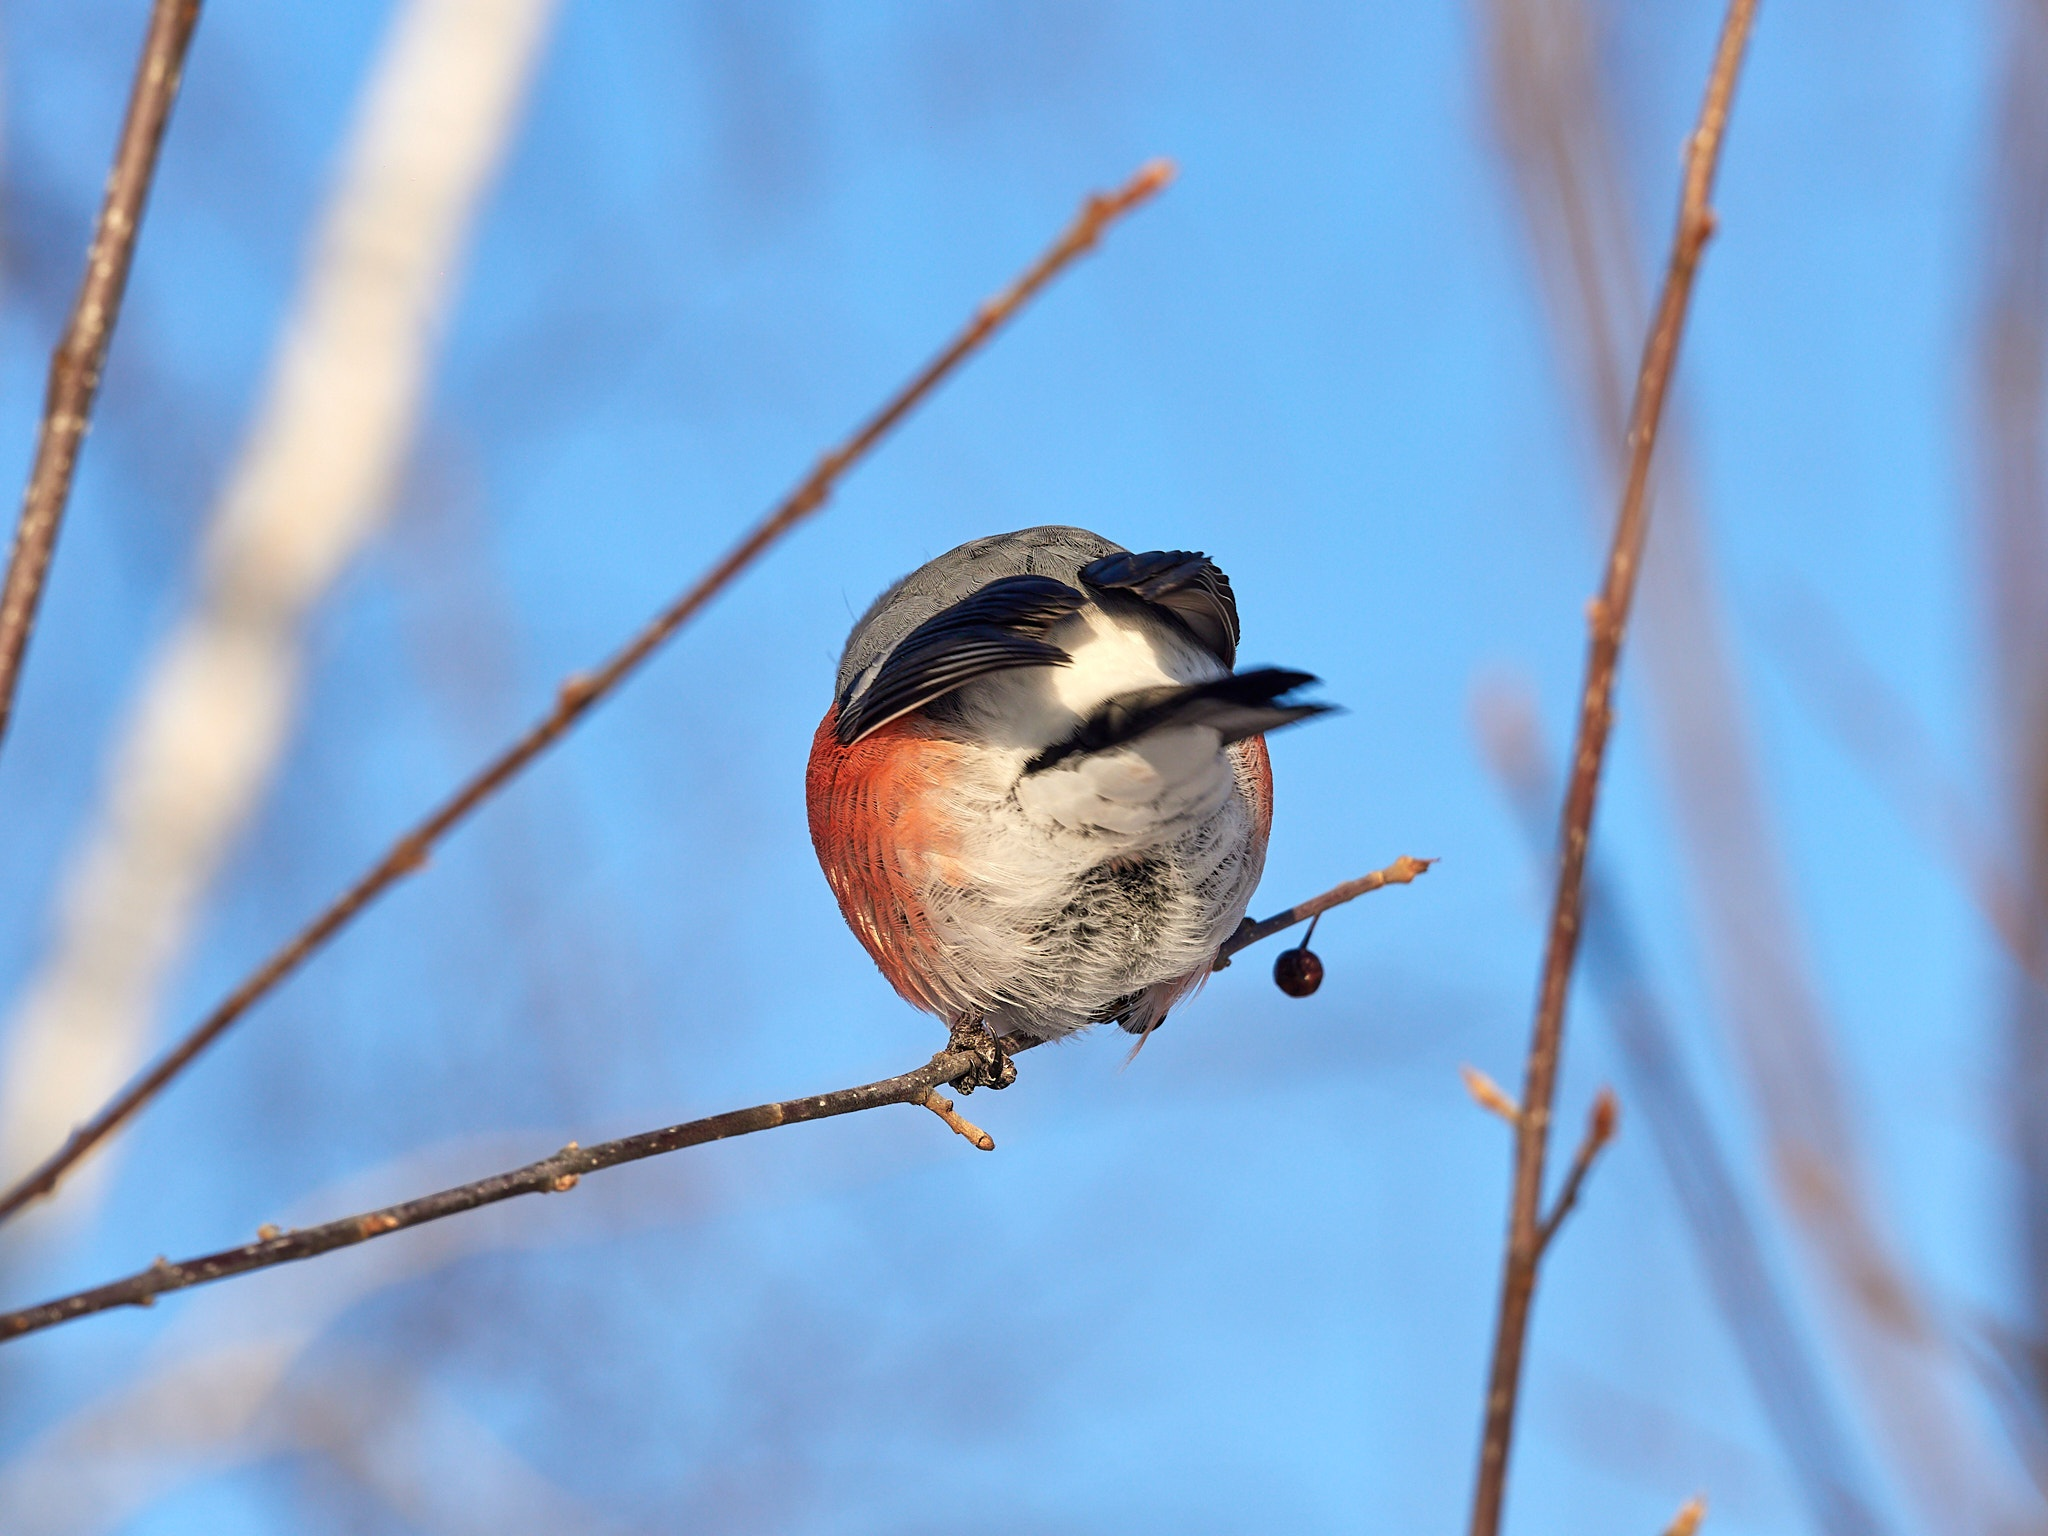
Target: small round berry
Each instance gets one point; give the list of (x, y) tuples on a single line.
[(1297, 972)]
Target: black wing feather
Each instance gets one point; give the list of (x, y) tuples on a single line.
[(1186, 583), (1002, 625), (1243, 704)]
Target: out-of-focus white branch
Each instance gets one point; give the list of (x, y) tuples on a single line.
[(422, 1454), (313, 482), (429, 1460)]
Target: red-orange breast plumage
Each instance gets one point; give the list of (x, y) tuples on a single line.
[(1041, 796)]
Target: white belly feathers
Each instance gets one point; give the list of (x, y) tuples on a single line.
[(1118, 869)]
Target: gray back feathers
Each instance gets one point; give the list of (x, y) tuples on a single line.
[(935, 586)]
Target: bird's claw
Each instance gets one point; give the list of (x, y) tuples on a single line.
[(992, 1067)]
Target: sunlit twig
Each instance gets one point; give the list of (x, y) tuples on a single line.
[(311, 484), (1782, 1363), (581, 693), (81, 353), (550, 1175), (1609, 622)]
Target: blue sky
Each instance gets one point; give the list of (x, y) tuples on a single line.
[(1247, 1284)]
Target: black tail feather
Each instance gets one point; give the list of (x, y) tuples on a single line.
[(1240, 705)]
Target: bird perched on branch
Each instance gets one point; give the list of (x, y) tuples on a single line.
[(1041, 793)]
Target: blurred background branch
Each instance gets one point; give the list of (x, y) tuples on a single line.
[(311, 485), (2012, 395), (1561, 146), (1607, 618), (89, 974), (1788, 1376), (1892, 745), (1224, 1289), (564, 1170), (232, 1384)]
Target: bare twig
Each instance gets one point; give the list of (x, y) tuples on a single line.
[(583, 691), (1609, 621), (1563, 146), (1780, 1359), (310, 485), (551, 1175), (956, 1122), (1601, 1123), (81, 354), (1401, 872)]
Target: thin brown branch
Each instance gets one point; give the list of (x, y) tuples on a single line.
[(81, 353), (582, 692), (1780, 1359), (1609, 623), (550, 1175), (1601, 1123), (1891, 743), (1401, 872), (1561, 141)]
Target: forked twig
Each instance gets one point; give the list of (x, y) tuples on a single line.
[(1609, 622), (551, 1175), (1601, 1123), (81, 353), (1774, 1349), (582, 692)]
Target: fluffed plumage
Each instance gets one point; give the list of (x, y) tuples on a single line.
[(1041, 795)]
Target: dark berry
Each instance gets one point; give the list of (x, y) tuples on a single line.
[(1297, 972)]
